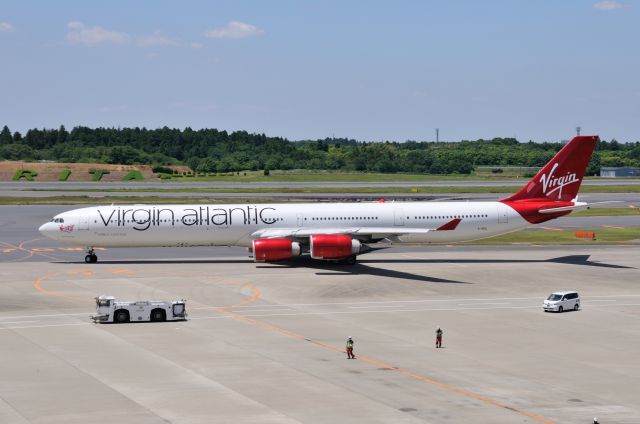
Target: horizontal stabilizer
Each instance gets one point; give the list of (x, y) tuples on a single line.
[(578, 206)]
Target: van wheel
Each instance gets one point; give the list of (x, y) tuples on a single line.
[(158, 315), (575, 308), (560, 309), (121, 316)]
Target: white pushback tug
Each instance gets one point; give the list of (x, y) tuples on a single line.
[(108, 309)]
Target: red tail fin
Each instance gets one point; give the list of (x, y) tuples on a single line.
[(560, 179)]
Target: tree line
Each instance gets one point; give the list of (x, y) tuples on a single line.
[(212, 150)]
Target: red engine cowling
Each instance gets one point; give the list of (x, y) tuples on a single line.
[(333, 246), (276, 249)]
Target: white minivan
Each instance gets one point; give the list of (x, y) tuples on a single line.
[(562, 301)]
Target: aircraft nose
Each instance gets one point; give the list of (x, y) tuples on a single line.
[(46, 229)]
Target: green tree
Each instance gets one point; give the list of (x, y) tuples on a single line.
[(63, 135), (5, 136)]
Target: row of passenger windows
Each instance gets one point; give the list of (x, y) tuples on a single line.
[(361, 218), (449, 217)]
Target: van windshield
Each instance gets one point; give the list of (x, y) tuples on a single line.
[(554, 296)]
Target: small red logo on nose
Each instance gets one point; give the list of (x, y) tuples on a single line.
[(66, 228)]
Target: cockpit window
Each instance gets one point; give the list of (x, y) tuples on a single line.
[(58, 220)]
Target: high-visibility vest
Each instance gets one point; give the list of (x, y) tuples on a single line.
[(350, 343)]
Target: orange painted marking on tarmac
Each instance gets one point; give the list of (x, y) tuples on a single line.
[(223, 310), (21, 247), (42, 249), (120, 271), (256, 295), (15, 249), (38, 286), (8, 250), (32, 251), (72, 249), (454, 389)]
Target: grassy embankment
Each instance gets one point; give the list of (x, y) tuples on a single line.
[(300, 175), (336, 177), (339, 190), (603, 236)]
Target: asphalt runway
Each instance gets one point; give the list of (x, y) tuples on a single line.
[(265, 343)]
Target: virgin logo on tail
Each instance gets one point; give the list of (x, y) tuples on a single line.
[(550, 181)]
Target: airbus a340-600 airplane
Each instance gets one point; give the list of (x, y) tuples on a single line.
[(328, 231)]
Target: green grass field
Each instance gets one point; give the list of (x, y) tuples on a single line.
[(607, 212), (300, 175), (603, 236), (337, 190)]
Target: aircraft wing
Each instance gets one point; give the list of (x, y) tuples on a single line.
[(369, 232)]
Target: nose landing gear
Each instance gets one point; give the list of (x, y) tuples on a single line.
[(91, 257)]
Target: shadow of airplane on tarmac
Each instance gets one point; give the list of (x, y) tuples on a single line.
[(329, 269), (569, 260), (362, 267)]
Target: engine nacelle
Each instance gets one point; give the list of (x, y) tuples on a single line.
[(276, 249), (333, 246)]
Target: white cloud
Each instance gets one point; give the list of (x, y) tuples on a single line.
[(79, 33), (234, 29), (156, 39), (195, 45), (6, 27), (608, 5)]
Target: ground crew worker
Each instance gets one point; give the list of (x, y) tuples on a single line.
[(438, 337), (350, 354)]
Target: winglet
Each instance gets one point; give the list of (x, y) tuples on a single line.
[(451, 225)]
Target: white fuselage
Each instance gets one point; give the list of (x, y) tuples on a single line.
[(227, 225)]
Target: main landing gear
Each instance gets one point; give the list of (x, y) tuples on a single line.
[(351, 260), (91, 257)]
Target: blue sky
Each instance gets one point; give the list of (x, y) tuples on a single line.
[(369, 70)]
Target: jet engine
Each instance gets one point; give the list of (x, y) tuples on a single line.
[(275, 249), (333, 246)]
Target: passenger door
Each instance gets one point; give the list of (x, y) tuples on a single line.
[(503, 217), (398, 218)]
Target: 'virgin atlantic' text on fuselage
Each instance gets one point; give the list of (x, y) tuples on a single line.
[(143, 218)]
